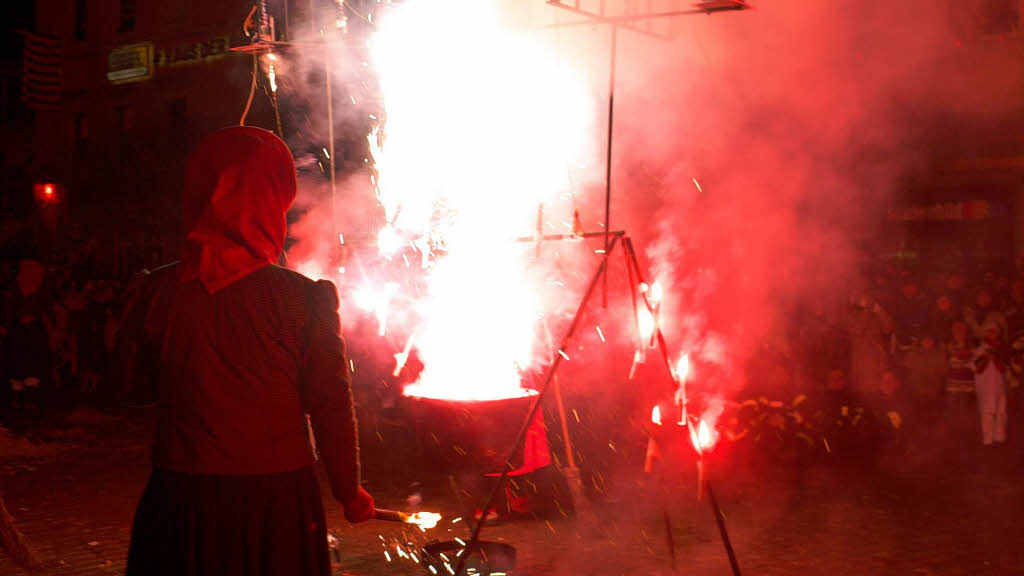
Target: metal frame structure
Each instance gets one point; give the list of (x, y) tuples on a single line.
[(628, 22), (550, 383), (611, 239)]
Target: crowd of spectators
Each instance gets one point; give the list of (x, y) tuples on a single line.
[(906, 354), (902, 352), (58, 324)]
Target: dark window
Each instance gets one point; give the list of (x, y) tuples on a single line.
[(177, 122), (81, 19), (176, 111), (127, 16), (81, 128), (7, 87), (125, 118)]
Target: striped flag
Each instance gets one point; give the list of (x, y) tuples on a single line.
[(40, 86)]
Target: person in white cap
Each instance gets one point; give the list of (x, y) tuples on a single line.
[(992, 363)]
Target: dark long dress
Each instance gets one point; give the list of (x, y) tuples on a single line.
[(216, 525)]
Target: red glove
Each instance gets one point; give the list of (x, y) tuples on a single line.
[(360, 508)]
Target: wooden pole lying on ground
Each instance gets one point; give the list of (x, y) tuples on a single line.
[(570, 471), (670, 540), (720, 520), (14, 542)]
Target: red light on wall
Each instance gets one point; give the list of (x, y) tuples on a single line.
[(47, 193)]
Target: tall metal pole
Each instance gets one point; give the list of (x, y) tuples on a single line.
[(287, 22), (608, 163), (330, 134)]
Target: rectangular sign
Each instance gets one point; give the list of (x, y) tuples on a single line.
[(193, 53), (131, 63), (970, 210)]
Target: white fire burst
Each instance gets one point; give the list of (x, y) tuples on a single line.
[(483, 124)]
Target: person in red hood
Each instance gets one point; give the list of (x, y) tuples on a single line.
[(238, 350)]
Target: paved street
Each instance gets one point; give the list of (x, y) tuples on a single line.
[(74, 501)]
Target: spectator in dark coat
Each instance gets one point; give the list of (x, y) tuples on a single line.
[(910, 314), (942, 317)]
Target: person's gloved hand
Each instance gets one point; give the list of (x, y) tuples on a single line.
[(360, 508)]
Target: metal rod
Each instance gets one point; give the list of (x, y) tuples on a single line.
[(670, 540), (627, 245), (516, 444), (287, 22), (632, 294), (277, 114), (328, 80), (726, 7), (531, 239), (554, 237), (569, 457), (720, 520), (389, 515), (608, 163)]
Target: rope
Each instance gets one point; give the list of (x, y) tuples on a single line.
[(252, 90)]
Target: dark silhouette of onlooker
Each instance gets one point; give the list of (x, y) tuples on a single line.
[(927, 366), (870, 327), (960, 379), (942, 317), (910, 313)]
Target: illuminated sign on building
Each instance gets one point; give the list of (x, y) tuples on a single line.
[(971, 210), (132, 63), (193, 53)]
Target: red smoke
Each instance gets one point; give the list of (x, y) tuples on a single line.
[(799, 122)]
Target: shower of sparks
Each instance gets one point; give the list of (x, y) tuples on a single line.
[(479, 301)]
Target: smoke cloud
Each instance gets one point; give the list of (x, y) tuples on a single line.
[(757, 152)]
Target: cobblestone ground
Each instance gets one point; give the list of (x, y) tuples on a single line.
[(961, 517)]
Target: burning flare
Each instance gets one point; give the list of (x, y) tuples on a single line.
[(703, 437), (423, 520)]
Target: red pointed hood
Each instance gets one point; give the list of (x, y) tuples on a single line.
[(239, 184)]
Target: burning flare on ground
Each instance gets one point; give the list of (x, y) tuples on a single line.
[(702, 438)]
